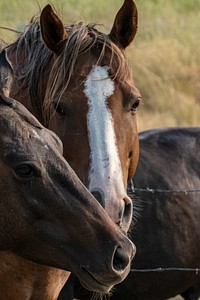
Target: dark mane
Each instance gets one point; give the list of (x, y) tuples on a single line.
[(81, 39)]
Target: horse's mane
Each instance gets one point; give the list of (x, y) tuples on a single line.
[(80, 39)]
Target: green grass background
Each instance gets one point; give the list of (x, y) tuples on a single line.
[(165, 55)]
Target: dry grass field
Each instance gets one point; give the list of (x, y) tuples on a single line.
[(166, 63)]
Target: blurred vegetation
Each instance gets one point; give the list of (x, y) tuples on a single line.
[(166, 63), (165, 56)]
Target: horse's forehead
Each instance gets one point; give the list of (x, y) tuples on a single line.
[(19, 134), (119, 72), (38, 138), (24, 137), (98, 82)]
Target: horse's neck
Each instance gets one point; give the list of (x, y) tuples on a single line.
[(25, 280)]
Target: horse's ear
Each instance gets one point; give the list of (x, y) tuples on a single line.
[(125, 24), (52, 29), (6, 74)]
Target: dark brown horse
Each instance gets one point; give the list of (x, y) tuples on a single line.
[(166, 233), (47, 215), (77, 82)]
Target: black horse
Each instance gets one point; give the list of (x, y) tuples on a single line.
[(166, 232)]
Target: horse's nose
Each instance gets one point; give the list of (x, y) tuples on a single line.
[(122, 259)]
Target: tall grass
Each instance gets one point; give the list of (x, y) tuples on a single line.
[(165, 56), (166, 63)]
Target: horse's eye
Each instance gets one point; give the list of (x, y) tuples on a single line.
[(25, 171), (135, 105), (58, 108)]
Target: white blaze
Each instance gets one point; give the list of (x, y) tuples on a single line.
[(105, 167)]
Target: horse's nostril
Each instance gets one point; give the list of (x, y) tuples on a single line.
[(99, 196), (128, 211), (121, 214), (126, 214), (120, 260)]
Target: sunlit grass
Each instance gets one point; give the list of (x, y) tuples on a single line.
[(166, 63)]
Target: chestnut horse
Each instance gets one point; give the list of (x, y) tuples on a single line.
[(166, 233), (47, 215), (77, 82)]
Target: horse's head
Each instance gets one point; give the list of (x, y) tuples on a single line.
[(93, 103), (46, 213)]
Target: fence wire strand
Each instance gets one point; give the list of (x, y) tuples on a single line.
[(132, 189), (149, 190), (196, 270)]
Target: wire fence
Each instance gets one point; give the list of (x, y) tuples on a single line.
[(194, 270), (132, 189), (150, 190)]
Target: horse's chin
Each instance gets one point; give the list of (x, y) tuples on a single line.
[(89, 282)]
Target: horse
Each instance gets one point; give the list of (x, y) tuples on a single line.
[(47, 216), (166, 227), (77, 82), (167, 183)]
